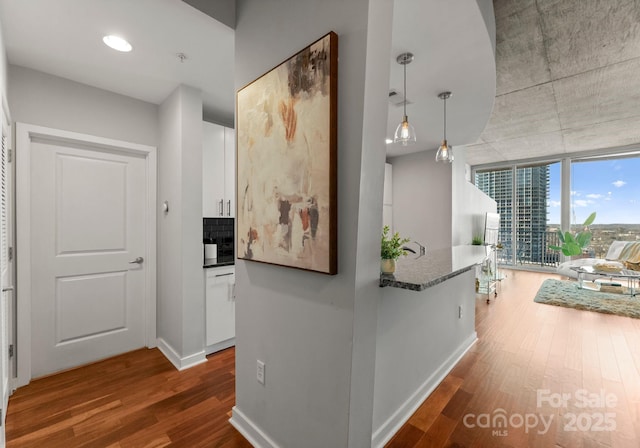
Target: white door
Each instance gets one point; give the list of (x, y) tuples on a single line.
[(88, 208)]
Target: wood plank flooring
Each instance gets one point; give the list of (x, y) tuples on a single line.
[(523, 348), (134, 400), (140, 400)]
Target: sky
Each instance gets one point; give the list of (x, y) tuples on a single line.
[(611, 188)]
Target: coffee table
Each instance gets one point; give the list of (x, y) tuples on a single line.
[(632, 277)]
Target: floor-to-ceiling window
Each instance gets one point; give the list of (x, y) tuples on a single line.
[(611, 188), (529, 198), (498, 184)]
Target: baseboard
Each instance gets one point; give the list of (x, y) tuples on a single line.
[(249, 430), (388, 429), (178, 362), (220, 346)]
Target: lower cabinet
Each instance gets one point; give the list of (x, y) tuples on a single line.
[(220, 308)]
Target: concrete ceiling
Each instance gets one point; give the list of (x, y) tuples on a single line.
[(568, 79)]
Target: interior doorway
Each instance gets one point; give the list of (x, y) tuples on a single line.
[(86, 239)]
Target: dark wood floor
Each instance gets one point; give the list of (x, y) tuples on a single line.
[(524, 347), (134, 400), (140, 400)]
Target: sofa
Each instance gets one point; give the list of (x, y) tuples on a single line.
[(617, 258)]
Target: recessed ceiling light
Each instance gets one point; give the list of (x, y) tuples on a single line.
[(117, 43), (388, 141)]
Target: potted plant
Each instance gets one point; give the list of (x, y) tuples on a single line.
[(574, 244), (477, 240), (390, 250)]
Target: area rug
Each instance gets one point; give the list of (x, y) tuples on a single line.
[(567, 294)]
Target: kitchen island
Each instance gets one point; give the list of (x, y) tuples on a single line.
[(426, 323), (419, 272)]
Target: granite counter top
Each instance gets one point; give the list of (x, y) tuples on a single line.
[(417, 273), (228, 260)]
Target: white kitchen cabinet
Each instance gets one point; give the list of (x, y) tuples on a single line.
[(218, 171), (212, 169), (230, 172), (220, 308)]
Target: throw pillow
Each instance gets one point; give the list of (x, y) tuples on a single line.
[(608, 266), (632, 266), (631, 253)]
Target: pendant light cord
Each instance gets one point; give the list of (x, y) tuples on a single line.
[(404, 103), (445, 119)]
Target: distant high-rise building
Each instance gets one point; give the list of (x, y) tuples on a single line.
[(530, 219)]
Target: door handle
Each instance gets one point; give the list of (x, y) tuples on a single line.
[(229, 208), (221, 207), (138, 260), (8, 288)]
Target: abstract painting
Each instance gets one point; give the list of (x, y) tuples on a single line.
[(286, 162)]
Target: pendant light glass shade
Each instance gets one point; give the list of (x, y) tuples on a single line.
[(445, 153), (405, 134)]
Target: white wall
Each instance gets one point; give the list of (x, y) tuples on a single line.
[(193, 294), (169, 305), (422, 199), (316, 333), (469, 204), (46, 100), (486, 9), (180, 277), (42, 99), (419, 339), (3, 66)]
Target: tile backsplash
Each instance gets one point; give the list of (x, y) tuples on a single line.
[(219, 231)]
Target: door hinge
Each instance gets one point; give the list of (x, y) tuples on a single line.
[(11, 351), (10, 253)]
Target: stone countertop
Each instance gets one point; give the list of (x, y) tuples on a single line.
[(218, 262), (417, 273)]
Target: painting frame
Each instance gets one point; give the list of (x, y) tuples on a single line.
[(286, 162)]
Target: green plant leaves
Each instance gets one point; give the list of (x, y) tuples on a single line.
[(391, 247), (568, 238), (571, 248), (583, 239), (571, 244), (590, 219)]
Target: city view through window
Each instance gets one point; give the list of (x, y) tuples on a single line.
[(611, 188), (530, 207)]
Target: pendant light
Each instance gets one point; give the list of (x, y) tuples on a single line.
[(445, 153), (405, 134)]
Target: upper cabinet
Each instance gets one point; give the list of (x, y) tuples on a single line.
[(230, 172), (218, 171)]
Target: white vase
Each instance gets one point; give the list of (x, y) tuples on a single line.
[(388, 265)]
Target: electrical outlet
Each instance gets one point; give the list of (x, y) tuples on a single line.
[(260, 371), (459, 311)]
